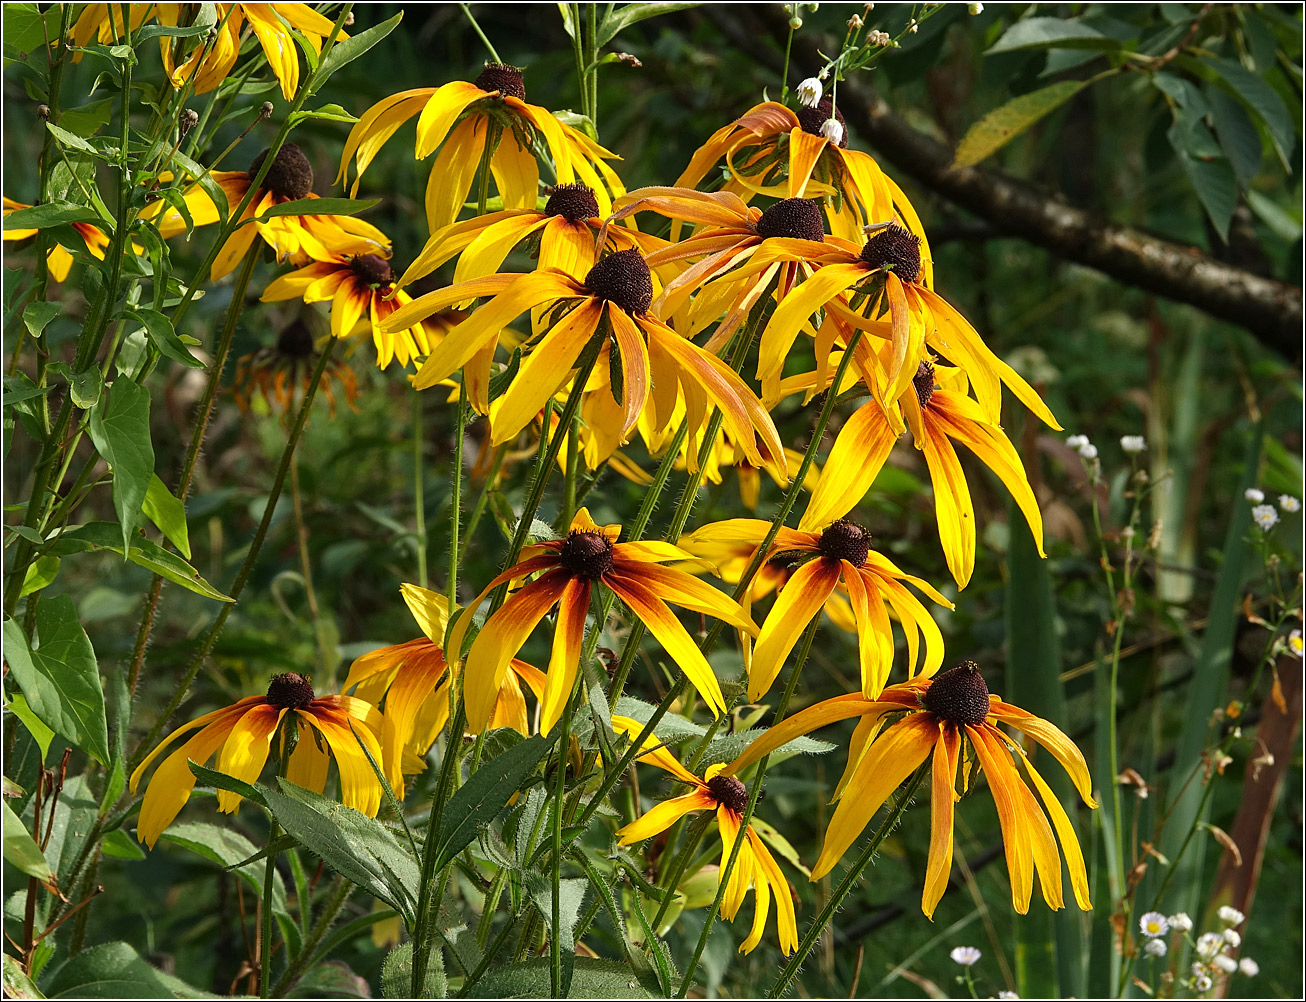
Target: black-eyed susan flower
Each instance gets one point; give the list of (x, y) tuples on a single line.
[(652, 363), (953, 721), (458, 120), (564, 235), (771, 150), (59, 259), (285, 369), (755, 867), (839, 555), (361, 290), (297, 239), (242, 734), (413, 682), (939, 413), (569, 568)]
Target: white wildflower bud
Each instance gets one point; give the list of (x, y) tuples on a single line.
[(855, 22), (1248, 967), (795, 23), (1155, 948), (832, 130), (349, 19), (1133, 443), (809, 92), (1254, 495), (1232, 937), (879, 38), (912, 28), (1088, 450), (1180, 922), (975, 9), (824, 74), (1225, 963), (1153, 924), (965, 955), (1265, 516), (1289, 504), (1076, 441)]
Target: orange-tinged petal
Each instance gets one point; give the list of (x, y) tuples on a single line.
[(873, 631), (785, 920), (804, 150), (942, 796), (1054, 740), (953, 509), (807, 720), (278, 46), (855, 460), (246, 750), (359, 787), (679, 588), (799, 600), (1065, 831), (663, 816), (1015, 834), (657, 753), (634, 367), (573, 606), (790, 316), (309, 762)]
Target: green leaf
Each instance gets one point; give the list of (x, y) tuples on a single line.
[(120, 429), (57, 213), (1003, 124), (1216, 187), (326, 113), (347, 50), (21, 850), (158, 329), (221, 781), (116, 971), (40, 572), (120, 845), (85, 388), (592, 979), (1051, 33), (571, 895), (397, 974), (41, 734), (37, 315), (19, 388), (71, 139), (1258, 95), (322, 207), (143, 552), (205, 180), (228, 848), (60, 677), (17, 985), (484, 795), (205, 18), (1239, 140), (27, 28), (168, 514), (633, 13)]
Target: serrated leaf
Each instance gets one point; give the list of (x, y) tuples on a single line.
[(120, 429), (72, 140), (1258, 95), (571, 895), (143, 552), (60, 676), (1003, 124), (168, 513), (228, 849), (1051, 33), (21, 850), (321, 207)]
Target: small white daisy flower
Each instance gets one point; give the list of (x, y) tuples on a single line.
[(1180, 922), (1248, 967), (1230, 915), (1232, 937), (832, 130), (1295, 643), (1154, 948), (965, 955), (1289, 504), (1133, 443), (1203, 983), (1225, 962), (1265, 516), (1209, 944), (1254, 495), (1088, 450), (809, 92), (1153, 924)]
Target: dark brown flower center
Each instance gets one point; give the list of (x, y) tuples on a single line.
[(586, 554), (897, 249), (290, 690), (923, 381), (959, 694), (729, 793), (507, 80), (296, 341), (573, 202), (623, 278), (844, 540), (793, 217), (290, 176), (811, 119), (372, 269)]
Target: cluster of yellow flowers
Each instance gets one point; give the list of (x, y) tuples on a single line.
[(840, 257)]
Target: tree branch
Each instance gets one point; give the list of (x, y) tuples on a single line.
[(1269, 309)]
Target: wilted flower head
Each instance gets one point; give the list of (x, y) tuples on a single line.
[(1133, 443), (1289, 504), (832, 129), (1155, 948), (878, 38), (1230, 915), (809, 92), (1265, 516), (1153, 924), (965, 955), (1254, 494), (1248, 967), (1180, 922)]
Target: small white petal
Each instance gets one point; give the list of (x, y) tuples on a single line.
[(965, 955), (1254, 495)]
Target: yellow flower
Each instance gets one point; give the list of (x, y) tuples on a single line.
[(770, 142), (656, 365), (838, 556), (297, 239), (571, 567), (278, 372), (755, 867), (458, 119), (413, 679), (361, 290), (59, 259), (952, 718), (241, 735)]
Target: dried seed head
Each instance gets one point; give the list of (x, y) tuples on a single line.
[(290, 690), (845, 540), (811, 119), (290, 176), (923, 381), (573, 202), (729, 793), (372, 269), (623, 278), (507, 80), (959, 694), (895, 248), (586, 554), (296, 341), (793, 217)]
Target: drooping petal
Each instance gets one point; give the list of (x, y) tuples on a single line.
[(678, 588), (634, 367), (798, 306), (573, 605), (943, 794), (953, 509), (653, 751), (246, 750), (785, 920), (805, 721), (799, 600), (1015, 832), (663, 816), (856, 458), (1054, 740), (452, 171)]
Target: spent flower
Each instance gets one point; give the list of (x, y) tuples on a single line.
[(809, 92)]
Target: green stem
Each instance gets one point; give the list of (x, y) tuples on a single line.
[(456, 498), (836, 899), (467, 12), (482, 499), (336, 898), (570, 474), (419, 494), (265, 930), (559, 808)]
